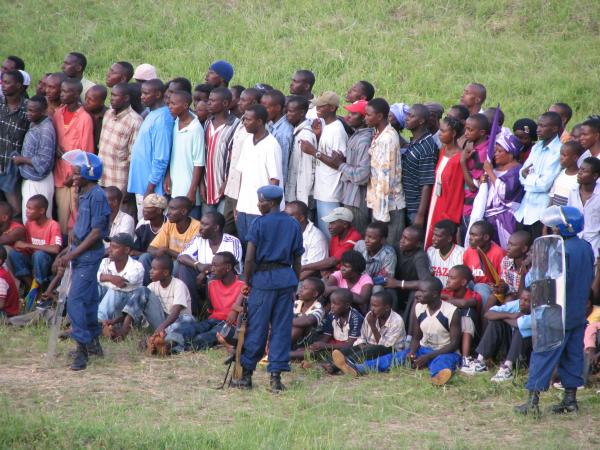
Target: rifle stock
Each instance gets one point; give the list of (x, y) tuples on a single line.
[(237, 368)]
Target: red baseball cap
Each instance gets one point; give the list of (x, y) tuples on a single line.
[(359, 106)]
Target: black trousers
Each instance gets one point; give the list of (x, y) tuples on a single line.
[(498, 335), (369, 351)]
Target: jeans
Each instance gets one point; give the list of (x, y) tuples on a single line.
[(243, 223), (323, 209), (384, 363), (22, 265), (112, 303)]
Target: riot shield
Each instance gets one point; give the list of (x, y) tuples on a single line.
[(548, 296)]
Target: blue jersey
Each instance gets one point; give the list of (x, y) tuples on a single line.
[(93, 212), (278, 239), (579, 258)]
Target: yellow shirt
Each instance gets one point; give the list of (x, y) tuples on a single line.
[(168, 236)]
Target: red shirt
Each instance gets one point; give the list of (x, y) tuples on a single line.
[(47, 234), (11, 297), (471, 259), (223, 297), (13, 225), (337, 246)]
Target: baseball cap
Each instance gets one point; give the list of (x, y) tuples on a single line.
[(26, 78), (339, 214), (121, 239), (359, 106), (155, 201), (328, 98), (145, 72)]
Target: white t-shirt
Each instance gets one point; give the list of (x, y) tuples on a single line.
[(327, 180), (199, 250), (315, 245), (176, 293), (133, 272), (258, 164), (441, 266), (584, 155), (123, 223), (563, 185)]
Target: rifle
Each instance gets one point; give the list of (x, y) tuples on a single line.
[(56, 322), (236, 357), (489, 269)]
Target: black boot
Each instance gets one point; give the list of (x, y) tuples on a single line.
[(94, 348), (276, 384), (245, 382), (531, 406), (568, 403), (80, 358)]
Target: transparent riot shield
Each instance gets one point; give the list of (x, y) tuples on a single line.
[(548, 296)]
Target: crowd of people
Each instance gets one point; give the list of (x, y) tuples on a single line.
[(409, 228)]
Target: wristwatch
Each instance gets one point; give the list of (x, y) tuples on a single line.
[(318, 155)]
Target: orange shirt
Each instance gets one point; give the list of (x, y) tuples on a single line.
[(78, 134)]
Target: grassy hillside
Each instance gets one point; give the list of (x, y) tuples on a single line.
[(529, 53)]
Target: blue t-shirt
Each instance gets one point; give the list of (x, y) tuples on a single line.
[(93, 212), (350, 330), (523, 322), (278, 239)]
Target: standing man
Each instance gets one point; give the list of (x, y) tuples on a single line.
[(355, 167), (361, 90), (473, 97), (120, 128), (279, 127), (301, 170), (248, 97), (74, 131), (271, 271), (119, 72), (302, 83), (95, 98), (152, 148), (568, 357), (85, 254), (73, 66), (384, 192), (328, 188), (418, 165), (539, 171), (218, 139), (219, 74), (13, 126), (260, 165), (53, 83), (37, 158), (565, 112)]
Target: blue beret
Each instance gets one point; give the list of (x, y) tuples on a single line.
[(224, 69), (270, 192)]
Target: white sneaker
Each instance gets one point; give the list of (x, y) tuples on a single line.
[(473, 367), (503, 374)]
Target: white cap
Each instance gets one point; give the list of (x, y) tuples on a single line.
[(26, 78)]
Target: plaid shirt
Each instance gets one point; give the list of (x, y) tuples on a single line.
[(510, 274), (116, 139), (13, 126), (40, 146)]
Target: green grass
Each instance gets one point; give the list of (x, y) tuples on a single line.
[(529, 53), (128, 400)]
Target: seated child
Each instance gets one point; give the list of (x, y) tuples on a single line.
[(9, 296), (352, 276), (308, 314), (382, 332), (118, 276), (162, 303), (32, 258), (467, 301), (341, 327), (509, 325), (435, 342)]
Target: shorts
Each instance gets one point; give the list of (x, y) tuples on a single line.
[(467, 325)]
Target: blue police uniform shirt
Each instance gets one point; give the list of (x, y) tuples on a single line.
[(579, 258), (93, 212), (278, 239)]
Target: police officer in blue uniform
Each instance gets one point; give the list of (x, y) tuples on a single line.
[(85, 253), (271, 270), (569, 355)]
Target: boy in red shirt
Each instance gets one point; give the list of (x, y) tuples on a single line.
[(11, 231), (42, 243), (468, 301), (9, 295)]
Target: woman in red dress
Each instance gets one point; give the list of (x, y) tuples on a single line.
[(447, 196)]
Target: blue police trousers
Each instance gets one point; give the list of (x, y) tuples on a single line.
[(568, 357), (83, 299), (274, 308)]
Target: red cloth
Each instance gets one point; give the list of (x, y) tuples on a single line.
[(337, 246), (449, 205), (469, 294), (471, 259), (223, 297), (11, 303), (48, 234), (13, 225)]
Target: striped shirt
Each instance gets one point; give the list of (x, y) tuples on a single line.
[(218, 149), (355, 171), (39, 145), (341, 332), (119, 131), (13, 126), (199, 250), (418, 170)]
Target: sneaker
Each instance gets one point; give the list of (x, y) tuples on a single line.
[(474, 366), (503, 374)]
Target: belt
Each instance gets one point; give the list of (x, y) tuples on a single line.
[(264, 266)]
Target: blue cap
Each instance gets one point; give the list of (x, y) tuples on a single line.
[(270, 192), (223, 69)]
